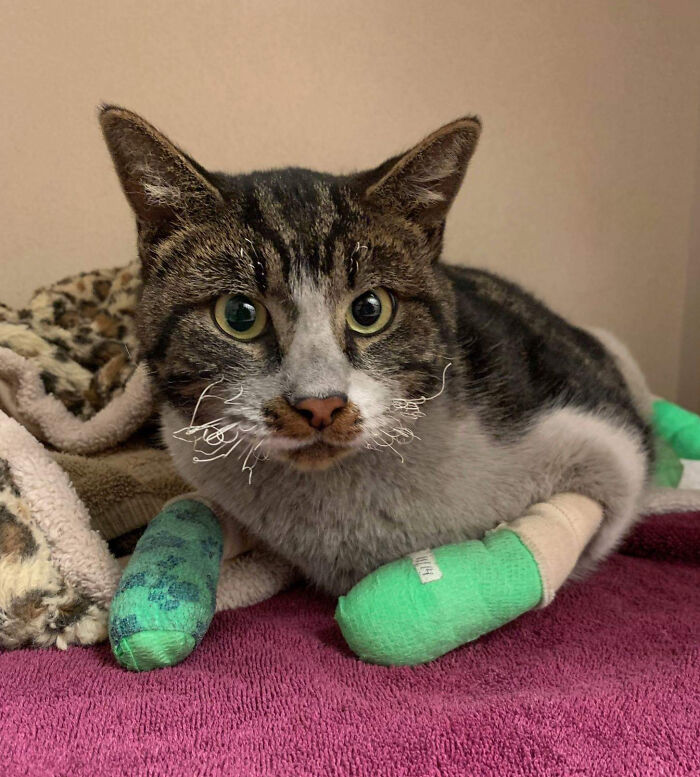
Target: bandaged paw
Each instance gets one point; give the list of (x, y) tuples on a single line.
[(420, 607), (167, 595)]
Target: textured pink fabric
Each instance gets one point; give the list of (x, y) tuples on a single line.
[(603, 682)]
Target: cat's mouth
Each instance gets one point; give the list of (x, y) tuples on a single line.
[(312, 448), (318, 455)]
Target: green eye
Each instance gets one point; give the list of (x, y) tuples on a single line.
[(240, 316), (371, 312)]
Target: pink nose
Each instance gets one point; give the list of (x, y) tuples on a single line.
[(319, 412)]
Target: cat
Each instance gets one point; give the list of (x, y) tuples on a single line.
[(346, 396)]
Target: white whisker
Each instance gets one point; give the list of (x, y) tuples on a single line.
[(202, 396), (217, 439), (252, 451), (393, 432), (411, 408), (376, 445), (210, 455), (233, 400), (188, 431)]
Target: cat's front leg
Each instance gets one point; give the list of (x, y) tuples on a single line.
[(420, 607), (556, 532), (250, 572)]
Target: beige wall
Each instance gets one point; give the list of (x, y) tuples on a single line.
[(582, 187)]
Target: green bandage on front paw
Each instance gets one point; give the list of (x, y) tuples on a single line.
[(167, 595), (393, 617)]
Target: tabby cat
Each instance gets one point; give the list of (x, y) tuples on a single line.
[(349, 398)]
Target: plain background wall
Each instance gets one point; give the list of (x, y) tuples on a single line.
[(583, 187)]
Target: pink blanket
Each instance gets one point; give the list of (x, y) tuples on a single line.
[(603, 682)]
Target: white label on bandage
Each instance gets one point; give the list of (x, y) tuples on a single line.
[(426, 566)]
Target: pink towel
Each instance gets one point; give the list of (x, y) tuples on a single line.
[(605, 681)]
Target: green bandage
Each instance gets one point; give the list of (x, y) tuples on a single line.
[(392, 617), (420, 607), (679, 427), (167, 595)]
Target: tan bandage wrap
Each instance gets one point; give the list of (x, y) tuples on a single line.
[(556, 532)]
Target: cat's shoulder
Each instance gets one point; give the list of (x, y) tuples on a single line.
[(521, 358), (514, 314), (486, 287)]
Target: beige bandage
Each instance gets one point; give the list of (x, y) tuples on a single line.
[(556, 532)]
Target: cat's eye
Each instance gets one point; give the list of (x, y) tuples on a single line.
[(240, 316), (371, 312)]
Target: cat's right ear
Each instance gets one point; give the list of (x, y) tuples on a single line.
[(163, 184)]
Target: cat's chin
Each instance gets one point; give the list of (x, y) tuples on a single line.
[(315, 457)]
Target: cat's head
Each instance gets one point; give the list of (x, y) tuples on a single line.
[(291, 313)]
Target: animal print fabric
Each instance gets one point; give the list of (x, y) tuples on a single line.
[(38, 606), (79, 335)]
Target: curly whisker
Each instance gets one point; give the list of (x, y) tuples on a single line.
[(393, 432), (411, 408), (220, 437)]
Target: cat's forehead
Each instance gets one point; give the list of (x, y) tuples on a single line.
[(284, 229), (306, 218), (299, 204), (298, 225)]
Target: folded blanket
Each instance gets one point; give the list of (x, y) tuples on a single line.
[(72, 390)]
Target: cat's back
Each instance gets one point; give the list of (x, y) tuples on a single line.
[(521, 359)]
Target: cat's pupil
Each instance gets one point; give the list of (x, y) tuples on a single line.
[(367, 309), (240, 313)]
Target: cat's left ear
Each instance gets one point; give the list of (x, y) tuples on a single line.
[(422, 183)]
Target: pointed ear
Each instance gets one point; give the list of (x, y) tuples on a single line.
[(160, 181), (422, 183)]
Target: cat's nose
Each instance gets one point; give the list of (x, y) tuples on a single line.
[(320, 411)]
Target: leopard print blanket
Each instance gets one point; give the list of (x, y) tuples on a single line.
[(77, 338), (71, 392), (80, 335)]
